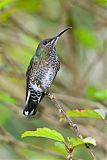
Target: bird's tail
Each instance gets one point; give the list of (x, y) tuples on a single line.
[(30, 107), (32, 102)]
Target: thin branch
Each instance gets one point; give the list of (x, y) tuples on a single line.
[(61, 110), (72, 125), (69, 157)]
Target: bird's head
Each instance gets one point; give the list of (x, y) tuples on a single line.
[(47, 45)]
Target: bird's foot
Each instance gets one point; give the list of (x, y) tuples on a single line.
[(39, 84), (47, 91), (34, 80)]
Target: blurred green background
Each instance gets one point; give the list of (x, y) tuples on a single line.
[(80, 83)]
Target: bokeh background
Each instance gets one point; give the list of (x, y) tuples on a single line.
[(82, 52)]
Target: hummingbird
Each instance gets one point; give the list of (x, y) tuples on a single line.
[(41, 71)]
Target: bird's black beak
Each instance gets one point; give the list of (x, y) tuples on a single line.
[(62, 32), (54, 39)]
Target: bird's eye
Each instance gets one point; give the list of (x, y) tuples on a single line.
[(44, 42)]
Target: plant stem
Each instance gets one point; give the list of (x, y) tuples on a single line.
[(72, 125), (70, 122)]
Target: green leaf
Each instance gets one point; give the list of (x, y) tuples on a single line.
[(44, 132), (5, 114), (60, 148), (4, 3), (97, 113), (86, 37), (96, 94), (101, 112), (4, 97), (101, 95), (90, 91), (77, 141), (89, 140), (29, 5), (103, 2)]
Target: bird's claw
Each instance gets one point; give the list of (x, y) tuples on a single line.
[(47, 91)]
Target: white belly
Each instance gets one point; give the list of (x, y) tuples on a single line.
[(48, 78)]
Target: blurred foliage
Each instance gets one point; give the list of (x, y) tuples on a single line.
[(86, 37), (97, 113), (82, 52), (63, 143), (6, 97), (96, 94), (76, 141), (101, 2)]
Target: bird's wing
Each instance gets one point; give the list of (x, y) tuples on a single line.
[(34, 63)]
